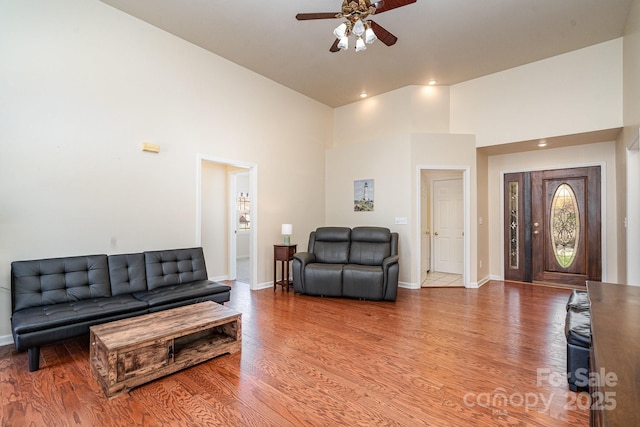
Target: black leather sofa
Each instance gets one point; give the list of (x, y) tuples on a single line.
[(356, 263), (58, 298), (577, 328)]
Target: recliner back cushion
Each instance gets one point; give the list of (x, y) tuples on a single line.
[(127, 273), (369, 245), (174, 267), (58, 280), (331, 245)]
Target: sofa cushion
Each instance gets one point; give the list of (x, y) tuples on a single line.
[(67, 313), (331, 245), (363, 281), (184, 293), (323, 279), (369, 245), (127, 273), (174, 267), (59, 280)]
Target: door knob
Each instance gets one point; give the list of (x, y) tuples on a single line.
[(436, 233)]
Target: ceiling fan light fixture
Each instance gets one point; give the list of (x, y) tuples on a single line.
[(360, 44), (340, 31), (358, 28), (369, 35), (344, 43)]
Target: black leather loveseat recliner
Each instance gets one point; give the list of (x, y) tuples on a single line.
[(356, 263), (58, 298)]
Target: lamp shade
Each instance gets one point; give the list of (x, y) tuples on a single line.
[(287, 229), (370, 36), (344, 43), (358, 28), (340, 31)]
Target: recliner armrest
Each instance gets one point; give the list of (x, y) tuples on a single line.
[(300, 262), (393, 259), (390, 271), (305, 257)]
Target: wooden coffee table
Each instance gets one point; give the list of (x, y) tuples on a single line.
[(130, 352)]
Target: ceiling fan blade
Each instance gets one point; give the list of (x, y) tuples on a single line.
[(392, 4), (383, 35), (307, 16), (334, 47)]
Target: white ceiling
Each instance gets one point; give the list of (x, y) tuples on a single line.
[(447, 40)]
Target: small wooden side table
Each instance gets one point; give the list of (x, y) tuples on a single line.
[(284, 254)]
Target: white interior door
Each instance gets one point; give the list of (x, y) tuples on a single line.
[(448, 226)]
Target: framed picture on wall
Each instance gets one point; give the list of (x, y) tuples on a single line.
[(363, 195)]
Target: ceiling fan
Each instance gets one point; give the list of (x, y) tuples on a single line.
[(356, 13)]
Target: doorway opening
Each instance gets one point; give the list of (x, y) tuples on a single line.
[(241, 223), (553, 226), (226, 218), (443, 227)]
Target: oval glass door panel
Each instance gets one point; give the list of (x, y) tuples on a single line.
[(565, 225)]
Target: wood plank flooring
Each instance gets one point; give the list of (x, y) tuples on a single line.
[(492, 356)]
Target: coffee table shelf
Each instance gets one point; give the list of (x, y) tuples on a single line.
[(130, 352)]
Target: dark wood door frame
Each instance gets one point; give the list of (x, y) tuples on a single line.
[(528, 252)]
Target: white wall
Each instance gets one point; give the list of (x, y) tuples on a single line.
[(83, 84), (577, 92), (631, 70), (393, 163), (452, 152), (630, 137), (387, 162), (412, 109)]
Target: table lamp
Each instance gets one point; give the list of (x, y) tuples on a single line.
[(287, 229)]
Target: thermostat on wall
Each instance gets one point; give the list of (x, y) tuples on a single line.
[(153, 148)]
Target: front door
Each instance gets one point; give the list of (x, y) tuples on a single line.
[(553, 226)]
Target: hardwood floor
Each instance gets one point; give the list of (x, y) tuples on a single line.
[(444, 357)]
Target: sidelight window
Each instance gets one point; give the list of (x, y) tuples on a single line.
[(514, 244)]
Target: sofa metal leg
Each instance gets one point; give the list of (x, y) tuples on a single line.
[(33, 354)]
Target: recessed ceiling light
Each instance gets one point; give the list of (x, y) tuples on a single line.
[(542, 143), (432, 82), (363, 95)]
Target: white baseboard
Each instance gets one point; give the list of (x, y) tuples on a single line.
[(476, 285), (484, 280), (408, 285), (6, 340), (263, 285)]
